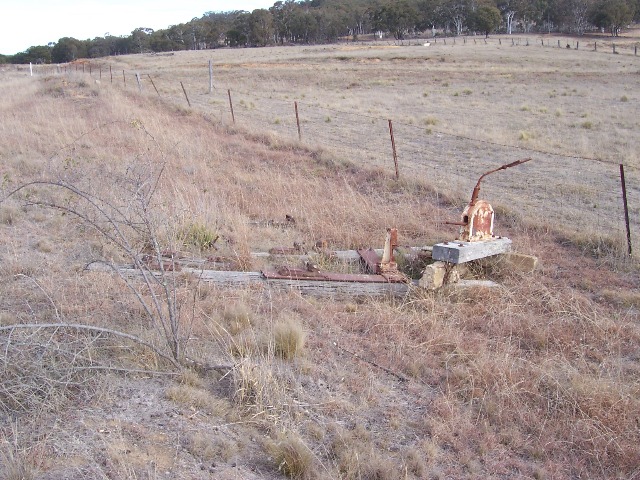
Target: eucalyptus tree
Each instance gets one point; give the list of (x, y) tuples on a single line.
[(261, 31), (397, 17), (613, 15), (485, 19)]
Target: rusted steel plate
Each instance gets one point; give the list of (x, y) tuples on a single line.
[(370, 258), (479, 222), (298, 274)]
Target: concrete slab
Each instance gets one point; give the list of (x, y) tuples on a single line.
[(461, 252)]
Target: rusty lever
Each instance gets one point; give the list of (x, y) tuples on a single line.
[(476, 190)]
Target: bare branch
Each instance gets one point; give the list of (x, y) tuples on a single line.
[(91, 328)]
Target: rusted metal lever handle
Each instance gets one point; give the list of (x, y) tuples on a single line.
[(476, 190)]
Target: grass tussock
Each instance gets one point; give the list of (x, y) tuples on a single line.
[(291, 455), (210, 448), (289, 339), (197, 398)]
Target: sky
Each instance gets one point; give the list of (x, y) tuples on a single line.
[(26, 23)]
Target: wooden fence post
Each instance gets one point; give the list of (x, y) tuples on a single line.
[(393, 146), (139, 84), (298, 121), (626, 208), (185, 94), (233, 117)]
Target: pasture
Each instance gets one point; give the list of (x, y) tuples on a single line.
[(538, 378), (458, 110)]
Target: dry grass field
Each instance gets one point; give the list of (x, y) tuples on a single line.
[(539, 378), (458, 111)]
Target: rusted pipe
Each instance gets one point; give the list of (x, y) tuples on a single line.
[(476, 190)]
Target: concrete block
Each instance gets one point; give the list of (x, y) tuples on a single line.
[(461, 252)]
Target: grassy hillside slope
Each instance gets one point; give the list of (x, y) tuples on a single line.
[(537, 379)]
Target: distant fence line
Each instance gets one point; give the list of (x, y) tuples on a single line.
[(610, 45), (591, 198)]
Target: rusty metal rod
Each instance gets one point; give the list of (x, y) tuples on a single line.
[(626, 208), (476, 190), (154, 85)]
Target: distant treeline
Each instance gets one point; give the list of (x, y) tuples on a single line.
[(326, 21)]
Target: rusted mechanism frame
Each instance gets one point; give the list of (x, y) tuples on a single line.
[(380, 269), (476, 190)]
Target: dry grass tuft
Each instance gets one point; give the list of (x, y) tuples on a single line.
[(197, 398), (8, 215), (210, 448), (198, 236), (289, 338), (237, 317), (18, 461), (259, 388), (292, 456)]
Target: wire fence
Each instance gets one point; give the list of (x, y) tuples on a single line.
[(583, 196)]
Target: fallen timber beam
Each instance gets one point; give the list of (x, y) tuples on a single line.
[(346, 256), (319, 288)]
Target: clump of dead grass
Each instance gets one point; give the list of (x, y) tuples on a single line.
[(237, 317), (289, 338), (292, 456), (260, 389), (197, 398), (8, 215), (209, 447)]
